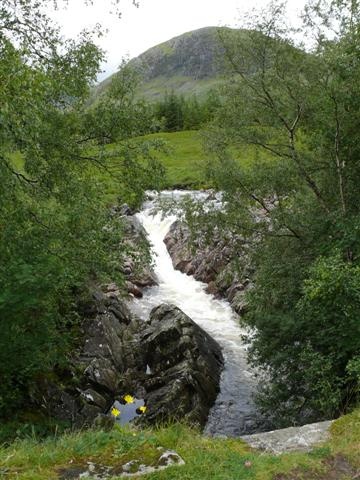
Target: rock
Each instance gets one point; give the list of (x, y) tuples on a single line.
[(217, 264), (170, 362), (125, 210), (133, 289), (100, 365), (94, 398), (132, 468), (185, 364), (136, 266), (290, 439), (104, 422), (136, 467), (101, 372)]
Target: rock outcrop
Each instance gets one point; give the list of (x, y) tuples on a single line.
[(218, 264), (169, 362), (290, 439), (136, 264), (162, 459), (98, 369), (185, 364)]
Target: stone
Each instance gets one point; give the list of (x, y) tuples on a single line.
[(94, 398), (133, 289), (98, 367), (290, 439), (185, 364), (104, 422), (170, 362), (132, 468), (212, 263), (135, 468)]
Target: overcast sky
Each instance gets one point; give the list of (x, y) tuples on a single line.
[(155, 21)]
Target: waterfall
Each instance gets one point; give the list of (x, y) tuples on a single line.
[(233, 413)]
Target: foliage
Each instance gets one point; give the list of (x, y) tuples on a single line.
[(116, 115), (296, 207), (177, 113), (55, 233)]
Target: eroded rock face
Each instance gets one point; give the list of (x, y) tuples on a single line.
[(136, 264), (212, 264), (185, 364), (101, 365), (170, 362)]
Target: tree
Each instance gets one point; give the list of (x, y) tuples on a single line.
[(116, 114), (54, 234), (171, 111), (296, 113)]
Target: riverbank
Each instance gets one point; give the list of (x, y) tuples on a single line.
[(204, 457)]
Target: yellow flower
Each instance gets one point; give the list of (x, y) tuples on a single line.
[(115, 412), (128, 399), (142, 409)]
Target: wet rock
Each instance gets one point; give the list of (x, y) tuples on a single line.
[(137, 266), (99, 366), (125, 210), (217, 264), (171, 363), (290, 439), (185, 364), (121, 210), (133, 289)]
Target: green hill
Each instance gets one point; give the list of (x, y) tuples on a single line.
[(191, 63)]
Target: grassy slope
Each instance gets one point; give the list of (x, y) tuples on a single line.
[(182, 159), (155, 90), (184, 162), (205, 458)]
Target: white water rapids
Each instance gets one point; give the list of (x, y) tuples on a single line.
[(233, 413)]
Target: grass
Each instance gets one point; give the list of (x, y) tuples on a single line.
[(182, 158), (155, 89), (206, 458)]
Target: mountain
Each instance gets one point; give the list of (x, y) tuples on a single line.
[(189, 64)]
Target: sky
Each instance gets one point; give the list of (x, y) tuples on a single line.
[(153, 22)]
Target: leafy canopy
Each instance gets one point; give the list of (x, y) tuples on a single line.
[(296, 206), (54, 227)]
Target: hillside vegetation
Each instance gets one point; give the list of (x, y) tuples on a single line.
[(181, 154), (189, 64)]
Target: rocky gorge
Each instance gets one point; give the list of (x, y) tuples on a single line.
[(211, 263), (160, 337), (168, 361)]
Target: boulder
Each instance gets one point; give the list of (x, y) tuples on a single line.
[(290, 439), (170, 362), (185, 364), (98, 369)]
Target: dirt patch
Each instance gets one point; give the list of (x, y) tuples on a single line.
[(337, 468)]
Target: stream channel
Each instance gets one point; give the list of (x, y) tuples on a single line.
[(233, 413)]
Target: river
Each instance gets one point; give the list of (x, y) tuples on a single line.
[(233, 413)]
